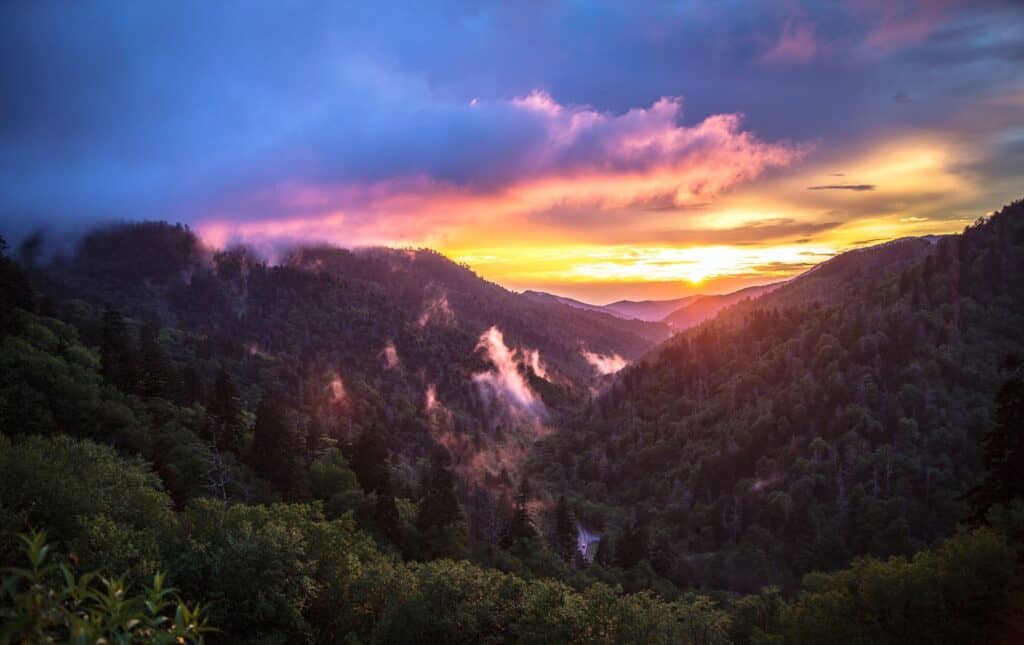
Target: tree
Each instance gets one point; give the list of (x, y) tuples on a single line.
[(225, 411), (370, 460), (155, 370), (565, 532), (520, 529), (1004, 446), (276, 449), (606, 551), (631, 547), (116, 352), (440, 518), (14, 289), (385, 512)]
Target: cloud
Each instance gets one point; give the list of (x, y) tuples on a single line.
[(336, 389), (515, 158), (604, 364), (436, 310), (390, 354), (397, 123), (531, 358), (853, 187), (898, 24), (797, 43), (503, 386)]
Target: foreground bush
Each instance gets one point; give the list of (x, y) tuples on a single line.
[(47, 603)]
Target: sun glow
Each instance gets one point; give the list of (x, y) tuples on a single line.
[(695, 265)]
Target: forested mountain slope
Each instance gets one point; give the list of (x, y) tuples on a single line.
[(349, 340), (267, 493), (700, 308), (839, 415)]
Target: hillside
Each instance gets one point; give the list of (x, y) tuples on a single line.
[(655, 310), (701, 308), (543, 296), (675, 315), (839, 415), (240, 427), (402, 342)]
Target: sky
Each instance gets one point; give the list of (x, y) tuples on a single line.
[(599, 150)]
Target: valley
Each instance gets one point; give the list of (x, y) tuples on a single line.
[(795, 427)]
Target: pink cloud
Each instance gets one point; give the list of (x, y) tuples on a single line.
[(504, 385), (584, 158), (898, 23), (604, 364), (796, 44)]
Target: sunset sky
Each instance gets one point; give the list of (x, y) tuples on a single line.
[(596, 150)]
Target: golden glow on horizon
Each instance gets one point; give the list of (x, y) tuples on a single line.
[(622, 264), (757, 233)]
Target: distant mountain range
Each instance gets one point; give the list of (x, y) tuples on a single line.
[(677, 313)]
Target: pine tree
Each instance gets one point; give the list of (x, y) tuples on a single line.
[(439, 505), (276, 450), (225, 411), (370, 459), (662, 556), (520, 528), (565, 531), (14, 289), (440, 518), (605, 555), (154, 375), (190, 386), (631, 547), (1004, 446), (385, 513), (116, 352)]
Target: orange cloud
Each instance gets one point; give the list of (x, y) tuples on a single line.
[(585, 159)]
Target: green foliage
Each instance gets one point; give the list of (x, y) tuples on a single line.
[(330, 479), (47, 603), (108, 510), (954, 594), (275, 572), (456, 602)]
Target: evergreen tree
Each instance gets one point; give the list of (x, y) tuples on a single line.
[(316, 441), (155, 370), (190, 386), (439, 517), (662, 555), (605, 555), (14, 289), (385, 513), (225, 411), (116, 352), (565, 531), (370, 460), (520, 528), (276, 450), (631, 546), (1004, 446)]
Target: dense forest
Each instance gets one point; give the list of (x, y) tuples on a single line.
[(842, 414), (379, 446)]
